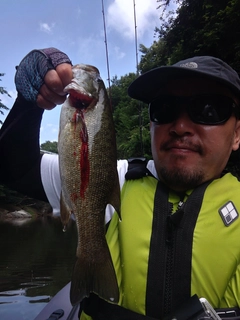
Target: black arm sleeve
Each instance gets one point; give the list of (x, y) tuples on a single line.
[(20, 156)]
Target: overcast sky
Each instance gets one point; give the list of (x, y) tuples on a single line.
[(75, 27)]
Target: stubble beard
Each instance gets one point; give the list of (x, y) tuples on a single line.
[(181, 179)]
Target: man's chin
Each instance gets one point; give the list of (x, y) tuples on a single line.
[(180, 179)]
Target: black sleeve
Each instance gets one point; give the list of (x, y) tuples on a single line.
[(20, 156)]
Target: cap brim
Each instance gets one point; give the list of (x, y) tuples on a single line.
[(147, 86)]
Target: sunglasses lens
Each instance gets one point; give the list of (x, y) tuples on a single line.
[(163, 110), (211, 110), (203, 109)]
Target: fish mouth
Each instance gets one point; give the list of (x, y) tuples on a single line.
[(79, 97), (80, 100)]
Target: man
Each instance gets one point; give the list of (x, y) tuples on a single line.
[(179, 234)]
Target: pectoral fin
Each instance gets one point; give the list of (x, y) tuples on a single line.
[(65, 213)]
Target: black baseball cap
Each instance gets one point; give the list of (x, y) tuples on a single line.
[(146, 87)]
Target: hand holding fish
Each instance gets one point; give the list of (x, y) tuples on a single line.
[(51, 92), (42, 75)]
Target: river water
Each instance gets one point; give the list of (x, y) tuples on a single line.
[(36, 261)]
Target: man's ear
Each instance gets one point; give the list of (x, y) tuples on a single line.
[(236, 140)]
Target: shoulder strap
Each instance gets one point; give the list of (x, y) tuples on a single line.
[(169, 272), (100, 309), (137, 169)]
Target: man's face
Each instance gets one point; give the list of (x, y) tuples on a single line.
[(185, 153)]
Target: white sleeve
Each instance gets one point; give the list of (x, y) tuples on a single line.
[(122, 166), (52, 183), (51, 180), (152, 169)]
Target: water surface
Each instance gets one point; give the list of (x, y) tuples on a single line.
[(36, 261)]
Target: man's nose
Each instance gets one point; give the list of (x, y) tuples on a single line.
[(183, 124)]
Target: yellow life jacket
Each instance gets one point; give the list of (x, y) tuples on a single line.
[(166, 249)]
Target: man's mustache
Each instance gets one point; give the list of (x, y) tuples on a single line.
[(182, 143)]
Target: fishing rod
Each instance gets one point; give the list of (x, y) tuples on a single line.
[(136, 42), (137, 72), (106, 48)]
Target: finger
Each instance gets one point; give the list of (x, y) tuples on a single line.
[(53, 82), (64, 72), (44, 104), (47, 99), (56, 80), (51, 95)]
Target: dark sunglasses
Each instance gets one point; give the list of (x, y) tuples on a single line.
[(208, 109)]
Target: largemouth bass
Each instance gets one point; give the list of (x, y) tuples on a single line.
[(88, 168)]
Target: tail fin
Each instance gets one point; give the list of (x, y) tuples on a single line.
[(96, 276)]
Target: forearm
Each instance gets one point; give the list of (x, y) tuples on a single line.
[(40, 81), (19, 149)]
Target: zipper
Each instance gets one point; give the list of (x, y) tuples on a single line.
[(172, 222)]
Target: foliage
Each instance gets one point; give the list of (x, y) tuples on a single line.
[(199, 27), (3, 91), (8, 195), (50, 146), (154, 56), (12, 201), (130, 119)]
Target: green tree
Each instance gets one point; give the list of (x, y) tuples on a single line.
[(131, 120), (3, 91), (154, 56), (50, 146), (199, 27)]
